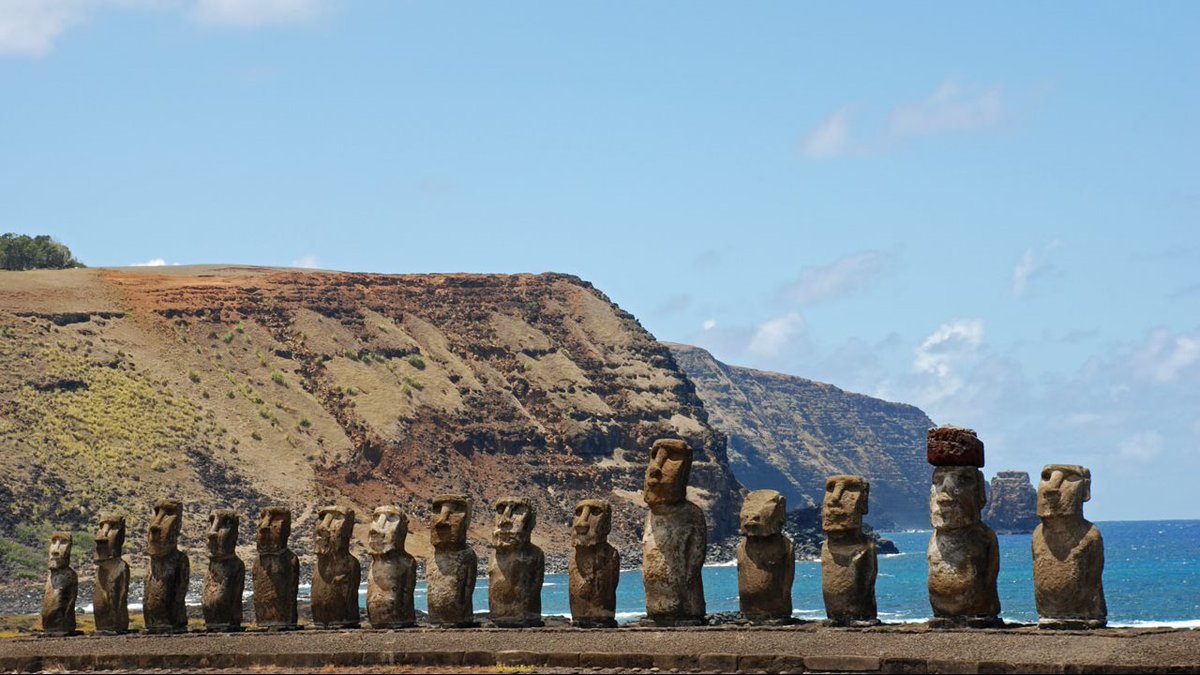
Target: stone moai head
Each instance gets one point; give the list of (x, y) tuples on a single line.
[(846, 502), (222, 533), (274, 529), (335, 525), (60, 550), (110, 538), (389, 529), (956, 497), (451, 518), (515, 518), (592, 522), (1063, 490), (165, 524), (763, 513), (667, 474)]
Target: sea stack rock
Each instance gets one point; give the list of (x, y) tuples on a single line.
[(111, 594), (1068, 552), (225, 580), (276, 572), (1011, 503), (516, 567), (392, 577), (163, 605), (452, 569), (58, 603), (848, 562), (674, 541), (766, 560), (594, 566), (964, 557), (336, 578)]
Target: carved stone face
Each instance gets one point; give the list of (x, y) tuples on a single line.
[(1063, 490), (667, 475), (956, 497), (514, 522), (274, 528), (451, 518), (846, 499), (60, 550), (164, 528), (389, 528), (222, 533), (763, 513), (110, 538), (334, 528), (592, 523)]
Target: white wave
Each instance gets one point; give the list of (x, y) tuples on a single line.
[(893, 555), (625, 616), (808, 611), (727, 563), (1186, 623)]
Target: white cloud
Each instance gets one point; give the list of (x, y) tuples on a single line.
[(1166, 356), (710, 324), (253, 13), (1032, 265), (944, 354), (831, 138), (156, 262), (307, 261), (774, 336), (841, 277), (1141, 447), (30, 27), (952, 107)]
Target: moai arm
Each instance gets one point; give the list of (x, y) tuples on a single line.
[(697, 545), (539, 574), (183, 576), (71, 593), (469, 570), (293, 588)]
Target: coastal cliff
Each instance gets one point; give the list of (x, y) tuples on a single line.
[(1011, 503)]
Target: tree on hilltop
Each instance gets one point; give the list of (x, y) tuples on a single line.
[(23, 252)]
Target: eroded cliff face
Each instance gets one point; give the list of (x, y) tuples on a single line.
[(1011, 503), (238, 387), (789, 434)]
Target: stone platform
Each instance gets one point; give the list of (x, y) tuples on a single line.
[(806, 648)]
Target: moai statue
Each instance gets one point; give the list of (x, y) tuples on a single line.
[(964, 558), (336, 578), (594, 566), (111, 595), (225, 580), (516, 567), (1068, 552), (848, 564), (452, 569), (58, 604), (766, 559), (276, 572), (167, 583), (392, 576), (675, 539)]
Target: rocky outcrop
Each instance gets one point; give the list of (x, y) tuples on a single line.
[(789, 434), (1011, 503)]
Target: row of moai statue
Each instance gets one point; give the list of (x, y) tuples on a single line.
[(963, 559)]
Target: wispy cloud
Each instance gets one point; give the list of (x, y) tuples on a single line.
[(307, 261), (254, 13), (1141, 447), (844, 276), (30, 27), (831, 138), (156, 262), (1166, 356), (1032, 265), (775, 336), (943, 355)]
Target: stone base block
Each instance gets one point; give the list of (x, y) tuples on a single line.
[(1071, 624)]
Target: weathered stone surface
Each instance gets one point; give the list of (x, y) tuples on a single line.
[(594, 566), (392, 576), (276, 571), (516, 567), (766, 560), (62, 584), (111, 594), (1068, 552), (953, 446), (221, 598), (451, 570), (1011, 503), (964, 559), (848, 562), (337, 575), (675, 539), (167, 583)]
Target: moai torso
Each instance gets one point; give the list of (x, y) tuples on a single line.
[(516, 567), (452, 569), (765, 559), (338, 573), (163, 604), (392, 577), (276, 572), (964, 558), (1068, 553), (111, 595), (594, 566), (848, 563), (225, 579), (675, 539), (58, 603)]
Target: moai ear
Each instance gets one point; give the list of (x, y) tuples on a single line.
[(980, 490), (866, 498), (1087, 485)]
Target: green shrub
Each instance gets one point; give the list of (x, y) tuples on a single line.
[(416, 361), (194, 376), (277, 378)]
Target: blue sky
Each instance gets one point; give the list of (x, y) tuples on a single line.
[(989, 211)]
